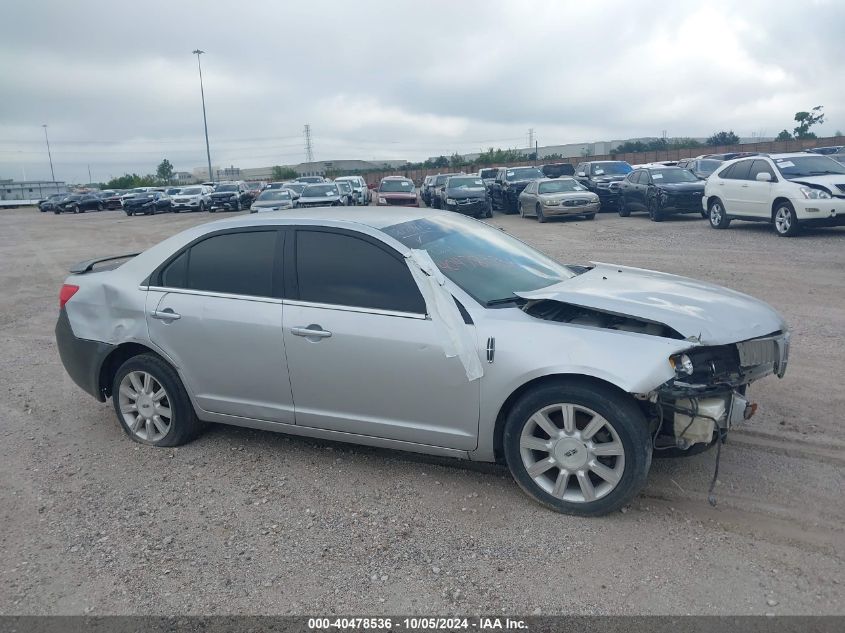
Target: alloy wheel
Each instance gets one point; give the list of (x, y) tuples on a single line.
[(145, 406), (715, 214), (572, 452), (783, 220)]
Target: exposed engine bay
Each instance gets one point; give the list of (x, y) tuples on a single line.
[(578, 315)]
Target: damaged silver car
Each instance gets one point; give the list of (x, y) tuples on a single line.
[(421, 331)]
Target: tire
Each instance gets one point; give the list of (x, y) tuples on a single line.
[(717, 215), (705, 214), (237, 205), (212, 210), (540, 217), (570, 476), (183, 423), (129, 214), (100, 206), (56, 212), (521, 210), (76, 209), (622, 208), (202, 206), (489, 212), (785, 220), (590, 216), (653, 212)]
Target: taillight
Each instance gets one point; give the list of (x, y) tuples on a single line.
[(67, 291)]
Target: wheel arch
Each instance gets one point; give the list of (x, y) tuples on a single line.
[(777, 201), (560, 378), (116, 358), (713, 198)]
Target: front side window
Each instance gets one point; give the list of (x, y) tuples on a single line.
[(340, 269), (737, 171), (760, 167), (232, 263), (486, 263)]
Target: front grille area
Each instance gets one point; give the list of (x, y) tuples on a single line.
[(578, 202), (400, 202)]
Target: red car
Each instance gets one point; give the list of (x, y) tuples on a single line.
[(397, 191)]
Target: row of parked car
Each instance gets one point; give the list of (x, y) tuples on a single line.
[(787, 190), (215, 196)]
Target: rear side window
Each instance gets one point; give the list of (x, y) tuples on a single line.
[(343, 270), (232, 263), (737, 171)]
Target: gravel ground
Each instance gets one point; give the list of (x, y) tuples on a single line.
[(244, 521)]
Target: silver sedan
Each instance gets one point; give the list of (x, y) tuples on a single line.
[(551, 197), (423, 331)]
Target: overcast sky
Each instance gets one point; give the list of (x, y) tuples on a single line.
[(118, 86)]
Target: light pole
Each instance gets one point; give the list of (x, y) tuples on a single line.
[(198, 52), (49, 155)]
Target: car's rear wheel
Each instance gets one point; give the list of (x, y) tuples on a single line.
[(716, 212), (151, 403), (99, 206), (76, 209), (622, 208), (786, 222), (539, 210), (578, 448)]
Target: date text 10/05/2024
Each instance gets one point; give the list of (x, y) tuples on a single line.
[(418, 623)]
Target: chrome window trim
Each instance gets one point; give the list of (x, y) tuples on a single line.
[(208, 293), (343, 308)]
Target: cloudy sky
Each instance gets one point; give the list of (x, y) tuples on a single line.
[(118, 86)]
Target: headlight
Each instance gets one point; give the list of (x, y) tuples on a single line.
[(682, 364), (551, 203), (814, 194), (451, 201), (382, 200)]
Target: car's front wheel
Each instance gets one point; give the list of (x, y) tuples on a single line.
[(786, 222), (578, 447), (539, 211), (151, 404), (716, 212), (622, 208)]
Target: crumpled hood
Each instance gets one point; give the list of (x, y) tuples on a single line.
[(697, 310), (829, 182)]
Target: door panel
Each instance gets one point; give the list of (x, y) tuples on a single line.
[(230, 352), (379, 375)]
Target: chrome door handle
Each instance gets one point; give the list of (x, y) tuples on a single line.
[(312, 331), (166, 315)]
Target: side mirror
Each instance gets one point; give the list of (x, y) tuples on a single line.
[(764, 176)]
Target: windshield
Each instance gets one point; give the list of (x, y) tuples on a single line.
[(561, 185), (465, 183), (172, 191), (319, 191), (523, 173), (708, 165), (672, 175), (192, 191), (274, 194), (440, 180), (806, 166), (344, 186), (487, 263), (396, 186), (225, 188), (296, 187), (488, 173), (613, 168)]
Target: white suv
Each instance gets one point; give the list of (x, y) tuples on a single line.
[(194, 198), (788, 190), (362, 194)]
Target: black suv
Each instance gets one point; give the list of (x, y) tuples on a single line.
[(600, 177), (231, 196), (467, 195), (556, 170), (435, 187), (79, 203), (508, 184)]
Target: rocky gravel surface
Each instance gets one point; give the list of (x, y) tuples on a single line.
[(249, 522)]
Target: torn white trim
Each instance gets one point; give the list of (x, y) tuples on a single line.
[(457, 337)]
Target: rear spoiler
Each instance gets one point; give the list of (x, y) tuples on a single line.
[(87, 266)]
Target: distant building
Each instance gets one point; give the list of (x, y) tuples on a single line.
[(322, 168), (29, 191), (183, 178)]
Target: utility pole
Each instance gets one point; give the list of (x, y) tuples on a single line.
[(536, 152), (531, 137), (309, 149), (198, 52), (49, 155), (89, 175)]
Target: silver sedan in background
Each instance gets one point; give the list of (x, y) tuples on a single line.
[(551, 197)]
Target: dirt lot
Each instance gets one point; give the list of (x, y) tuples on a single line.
[(244, 521)]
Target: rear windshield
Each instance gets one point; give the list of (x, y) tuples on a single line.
[(274, 194), (225, 188)]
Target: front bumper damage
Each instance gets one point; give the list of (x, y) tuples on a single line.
[(704, 406)]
